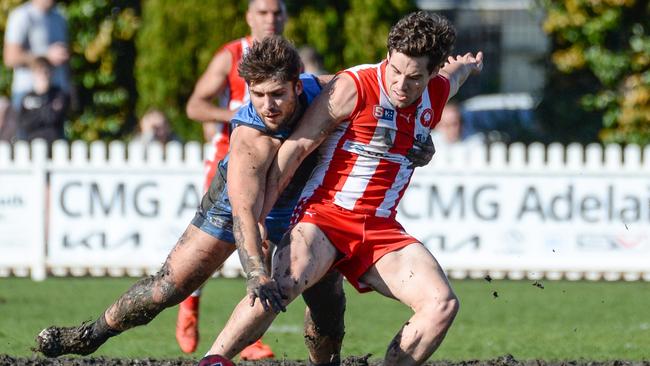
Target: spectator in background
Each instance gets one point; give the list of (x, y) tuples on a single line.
[(7, 120), (35, 29), (311, 60), (449, 130), (154, 126), (42, 110)]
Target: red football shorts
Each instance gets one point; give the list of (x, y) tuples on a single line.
[(362, 239)]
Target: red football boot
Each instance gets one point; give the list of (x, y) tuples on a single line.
[(256, 351), (187, 324)]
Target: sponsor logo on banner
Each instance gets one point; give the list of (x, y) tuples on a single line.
[(590, 242)]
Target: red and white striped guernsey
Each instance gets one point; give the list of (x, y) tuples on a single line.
[(235, 95), (363, 166)]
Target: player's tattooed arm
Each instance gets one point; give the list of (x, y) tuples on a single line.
[(251, 154), (259, 284), (251, 262), (332, 106)]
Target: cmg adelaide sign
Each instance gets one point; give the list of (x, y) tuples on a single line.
[(531, 222), (111, 218)]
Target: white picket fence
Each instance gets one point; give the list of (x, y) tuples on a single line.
[(575, 212)]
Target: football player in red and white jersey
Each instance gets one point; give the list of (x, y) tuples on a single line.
[(220, 79), (365, 121)]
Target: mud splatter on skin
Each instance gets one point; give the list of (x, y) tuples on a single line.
[(152, 294), (144, 300), (251, 262), (394, 350), (324, 318)]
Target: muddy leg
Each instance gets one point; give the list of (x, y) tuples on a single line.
[(324, 319), (193, 260)]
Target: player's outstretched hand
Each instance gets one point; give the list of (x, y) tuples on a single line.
[(475, 63), (421, 153), (260, 286)]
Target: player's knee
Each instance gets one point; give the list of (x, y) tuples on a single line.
[(441, 312), (164, 291), (290, 286), (445, 311)]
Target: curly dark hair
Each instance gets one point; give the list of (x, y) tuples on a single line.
[(273, 58), (422, 34)]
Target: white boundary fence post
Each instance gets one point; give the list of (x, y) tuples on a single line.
[(22, 209), (574, 212)]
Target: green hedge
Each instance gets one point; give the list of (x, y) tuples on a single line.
[(601, 53)]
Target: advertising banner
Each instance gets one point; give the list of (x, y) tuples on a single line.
[(531, 222), (22, 215), (117, 219)]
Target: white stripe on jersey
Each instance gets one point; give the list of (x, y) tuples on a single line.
[(392, 195), (325, 153), (355, 185), (214, 143)]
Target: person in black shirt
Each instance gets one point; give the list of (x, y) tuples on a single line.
[(42, 111)]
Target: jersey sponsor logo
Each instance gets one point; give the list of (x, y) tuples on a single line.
[(426, 117), (382, 113)]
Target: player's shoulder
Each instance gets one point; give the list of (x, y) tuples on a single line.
[(310, 85), (363, 70), (439, 80), (234, 46), (439, 86), (246, 114)]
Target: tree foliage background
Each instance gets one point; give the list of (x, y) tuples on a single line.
[(132, 55), (601, 54), (102, 58)]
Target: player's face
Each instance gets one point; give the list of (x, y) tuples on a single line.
[(275, 101), (406, 78), (266, 18)]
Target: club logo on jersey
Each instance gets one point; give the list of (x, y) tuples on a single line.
[(382, 113), (426, 117)]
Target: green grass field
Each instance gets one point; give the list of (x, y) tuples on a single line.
[(562, 321)]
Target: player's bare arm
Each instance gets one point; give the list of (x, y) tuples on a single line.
[(251, 155), (459, 68), (333, 105), (201, 106)]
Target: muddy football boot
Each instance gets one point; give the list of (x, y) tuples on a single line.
[(57, 341)]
